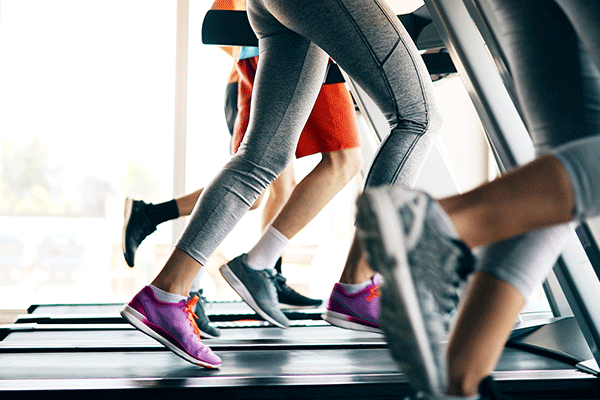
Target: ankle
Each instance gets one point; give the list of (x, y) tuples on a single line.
[(352, 288), (359, 274), (356, 279), (166, 296), (170, 288), (463, 385)]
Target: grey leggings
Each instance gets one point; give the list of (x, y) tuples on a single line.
[(553, 49), (295, 39)]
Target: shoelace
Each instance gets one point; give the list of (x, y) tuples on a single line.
[(279, 281), (191, 315), (416, 204), (373, 293), (272, 289), (204, 303)]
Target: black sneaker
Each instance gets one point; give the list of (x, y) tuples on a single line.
[(137, 226), (289, 296), (489, 391), (206, 330)]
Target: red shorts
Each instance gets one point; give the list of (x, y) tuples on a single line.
[(332, 124)]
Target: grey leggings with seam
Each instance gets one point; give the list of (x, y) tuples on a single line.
[(553, 50), (295, 39)]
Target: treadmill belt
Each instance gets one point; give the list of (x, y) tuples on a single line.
[(113, 360), (221, 314), (316, 337)]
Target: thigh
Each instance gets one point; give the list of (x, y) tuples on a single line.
[(585, 18), (367, 40)]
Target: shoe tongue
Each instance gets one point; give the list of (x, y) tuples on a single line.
[(184, 302), (192, 301), (271, 273), (377, 279)]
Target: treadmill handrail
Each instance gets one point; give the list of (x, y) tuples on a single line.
[(512, 145)]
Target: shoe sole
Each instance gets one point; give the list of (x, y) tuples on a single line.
[(340, 320), (400, 316), (137, 320), (287, 306), (205, 335), (244, 293), (127, 215)]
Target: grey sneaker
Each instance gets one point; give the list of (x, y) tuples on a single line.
[(256, 288), (206, 330), (409, 239)]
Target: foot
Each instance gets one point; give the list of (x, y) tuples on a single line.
[(206, 330), (409, 240), (137, 226), (487, 391), (172, 324), (358, 311), (256, 288), (287, 295)]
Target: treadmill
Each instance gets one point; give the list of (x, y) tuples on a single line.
[(65, 349), (88, 347)]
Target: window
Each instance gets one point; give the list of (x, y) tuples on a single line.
[(86, 115), (87, 92), (87, 119)]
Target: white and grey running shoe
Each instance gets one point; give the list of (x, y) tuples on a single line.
[(256, 288), (409, 239)]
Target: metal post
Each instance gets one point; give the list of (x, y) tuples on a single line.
[(179, 145), (513, 146)]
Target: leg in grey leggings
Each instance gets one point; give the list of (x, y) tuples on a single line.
[(295, 39), (559, 90)]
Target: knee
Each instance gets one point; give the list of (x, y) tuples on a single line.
[(284, 185), (257, 202), (344, 164), (258, 169)]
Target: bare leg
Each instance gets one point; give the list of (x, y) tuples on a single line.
[(185, 204), (306, 200), (313, 193), (536, 195), (279, 193), (356, 270), (483, 325), (178, 273)]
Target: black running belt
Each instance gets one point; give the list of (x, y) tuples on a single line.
[(228, 28), (232, 28)]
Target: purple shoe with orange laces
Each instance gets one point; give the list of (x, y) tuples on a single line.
[(358, 311), (172, 324)]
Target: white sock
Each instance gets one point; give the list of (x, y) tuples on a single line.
[(268, 249), (197, 280), (166, 296), (352, 288)]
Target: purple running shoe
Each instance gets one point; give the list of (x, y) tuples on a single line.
[(172, 324), (358, 311)]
